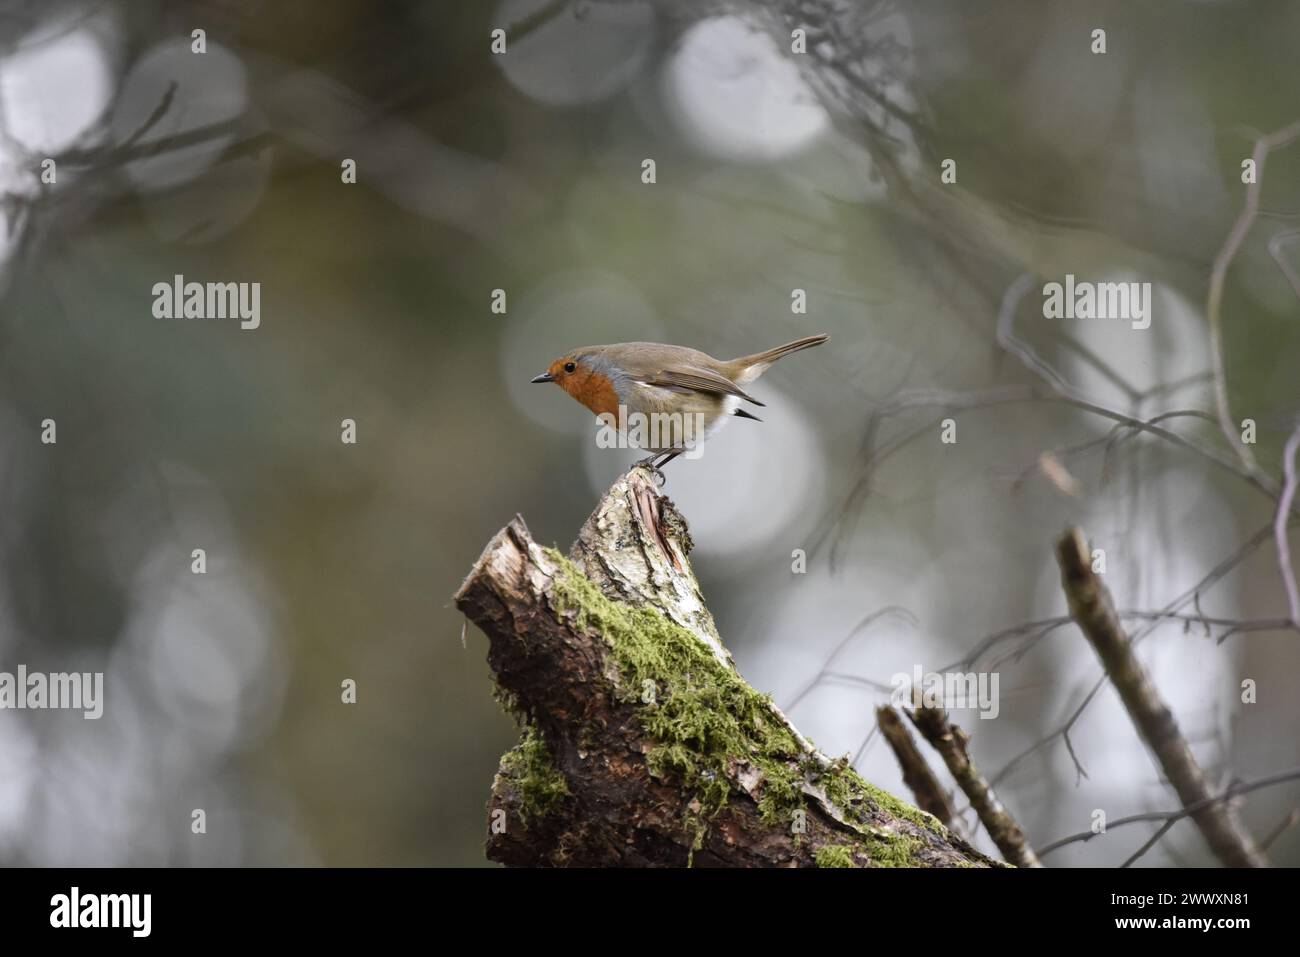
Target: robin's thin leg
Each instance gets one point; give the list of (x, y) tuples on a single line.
[(664, 459), (669, 456)]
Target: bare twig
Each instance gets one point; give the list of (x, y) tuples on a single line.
[(859, 628), (925, 787), (1009, 341), (1191, 595), (1230, 626), (875, 455), (1283, 826), (1092, 607), (153, 118), (1030, 634), (1235, 790), (951, 743), (1151, 842), (1218, 275), (1289, 485)]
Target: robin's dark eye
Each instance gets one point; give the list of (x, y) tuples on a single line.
[(569, 367)]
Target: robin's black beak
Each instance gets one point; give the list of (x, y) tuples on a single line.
[(544, 377)]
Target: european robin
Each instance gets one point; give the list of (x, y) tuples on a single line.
[(690, 394)]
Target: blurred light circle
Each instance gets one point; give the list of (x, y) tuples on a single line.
[(736, 96), (751, 480), (581, 308), (211, 89), (52, 90), (585, 54), (210, 662), (1172, 349), (19, 764)]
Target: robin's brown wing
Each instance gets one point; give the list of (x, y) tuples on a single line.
[(700, 380)]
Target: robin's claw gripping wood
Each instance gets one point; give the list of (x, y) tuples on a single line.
[(672, 384)]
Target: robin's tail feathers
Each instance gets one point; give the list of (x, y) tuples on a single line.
[(758, 362)]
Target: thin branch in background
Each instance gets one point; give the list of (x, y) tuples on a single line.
[(1056, 456), (1289, 485), (1120, 434), (1231, 626), (1283, 826), (1091, 605), (1030, 633), (536, 19), (1218, 276), (1236, 790), (1193, 594), (1127, 427), (855, 680), (151, 121), (1016, 654), (839, 527), (952, 744), (1116, 435), (925, 787), (1064, 392), (857, 755), (1263, 483), (825, 672), (1151, 842), (1040, 629), (1009, 342)]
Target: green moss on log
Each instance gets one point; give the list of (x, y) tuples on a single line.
[(847, 789), (834, 855), (708, 723), (530, 769), (705, 717)]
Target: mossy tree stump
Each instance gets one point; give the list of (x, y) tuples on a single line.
[(642, 745)]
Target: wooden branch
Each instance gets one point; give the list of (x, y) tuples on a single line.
[(925, 787), (642, 745), (1094, 610), (951, 743)]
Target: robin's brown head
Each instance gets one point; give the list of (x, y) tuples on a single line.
[(575, 375)]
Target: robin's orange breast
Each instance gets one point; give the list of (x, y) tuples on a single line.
[(595, 390)]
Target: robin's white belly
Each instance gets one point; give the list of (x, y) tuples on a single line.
[(658, 418)]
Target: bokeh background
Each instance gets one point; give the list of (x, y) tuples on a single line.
[(522, 172)]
